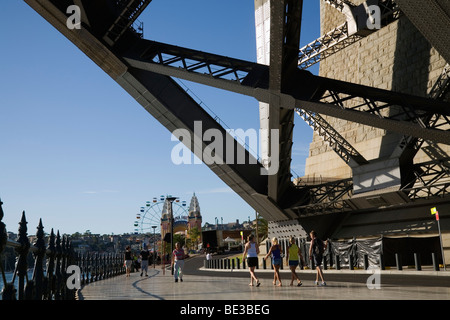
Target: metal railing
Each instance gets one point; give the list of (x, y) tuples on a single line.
[(49, 279), (336, 262), (332, 259)]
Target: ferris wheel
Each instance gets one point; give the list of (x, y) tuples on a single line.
[(148, 220)]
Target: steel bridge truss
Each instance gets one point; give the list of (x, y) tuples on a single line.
[(332, 137), (346, 34), (360, 102), (286, 88), (431, 181), (384, 109), (439, 91), (375, 107), (129, 12)]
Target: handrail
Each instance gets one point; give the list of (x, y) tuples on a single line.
[(52, 282)]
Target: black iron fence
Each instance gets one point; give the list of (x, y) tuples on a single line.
[(56, 271), (100, 266)]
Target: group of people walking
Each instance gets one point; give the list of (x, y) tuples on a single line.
[(293, 257), (177, 261), (251, 252), (141, 261)]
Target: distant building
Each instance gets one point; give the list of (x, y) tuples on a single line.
[(194, 219), (228, 226)]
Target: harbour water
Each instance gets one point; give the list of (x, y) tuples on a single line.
[(9, 276)]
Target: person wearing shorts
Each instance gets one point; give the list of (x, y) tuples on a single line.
[(318, 258), (292, 260), (144, 255), (251, 252), (316, 249), (128, 260), (275, 251)]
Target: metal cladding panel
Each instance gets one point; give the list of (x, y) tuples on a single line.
[(262, 28), (284, 230)]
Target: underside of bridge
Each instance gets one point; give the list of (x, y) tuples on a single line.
[(382, 195)]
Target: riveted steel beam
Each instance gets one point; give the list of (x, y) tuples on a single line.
[(432, 19), (344, 100), (285, 25), (130, 11), (348, 33)]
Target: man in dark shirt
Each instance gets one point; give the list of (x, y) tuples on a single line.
[(316, 250), (128, 260), (144, 260)]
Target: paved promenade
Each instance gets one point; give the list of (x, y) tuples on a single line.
[(201, 285)]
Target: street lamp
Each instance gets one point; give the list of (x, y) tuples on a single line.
[(154, 247), (170, 200)]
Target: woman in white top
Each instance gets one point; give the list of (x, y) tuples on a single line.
[(251, 251)]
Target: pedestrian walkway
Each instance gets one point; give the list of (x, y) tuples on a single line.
[(233, 286)]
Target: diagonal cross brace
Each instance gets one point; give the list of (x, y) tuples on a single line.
[(253, 81)]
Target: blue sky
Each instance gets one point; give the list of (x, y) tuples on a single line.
[(79, 152)]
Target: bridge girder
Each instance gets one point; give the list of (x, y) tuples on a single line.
[(317, 94), (143, 68)]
